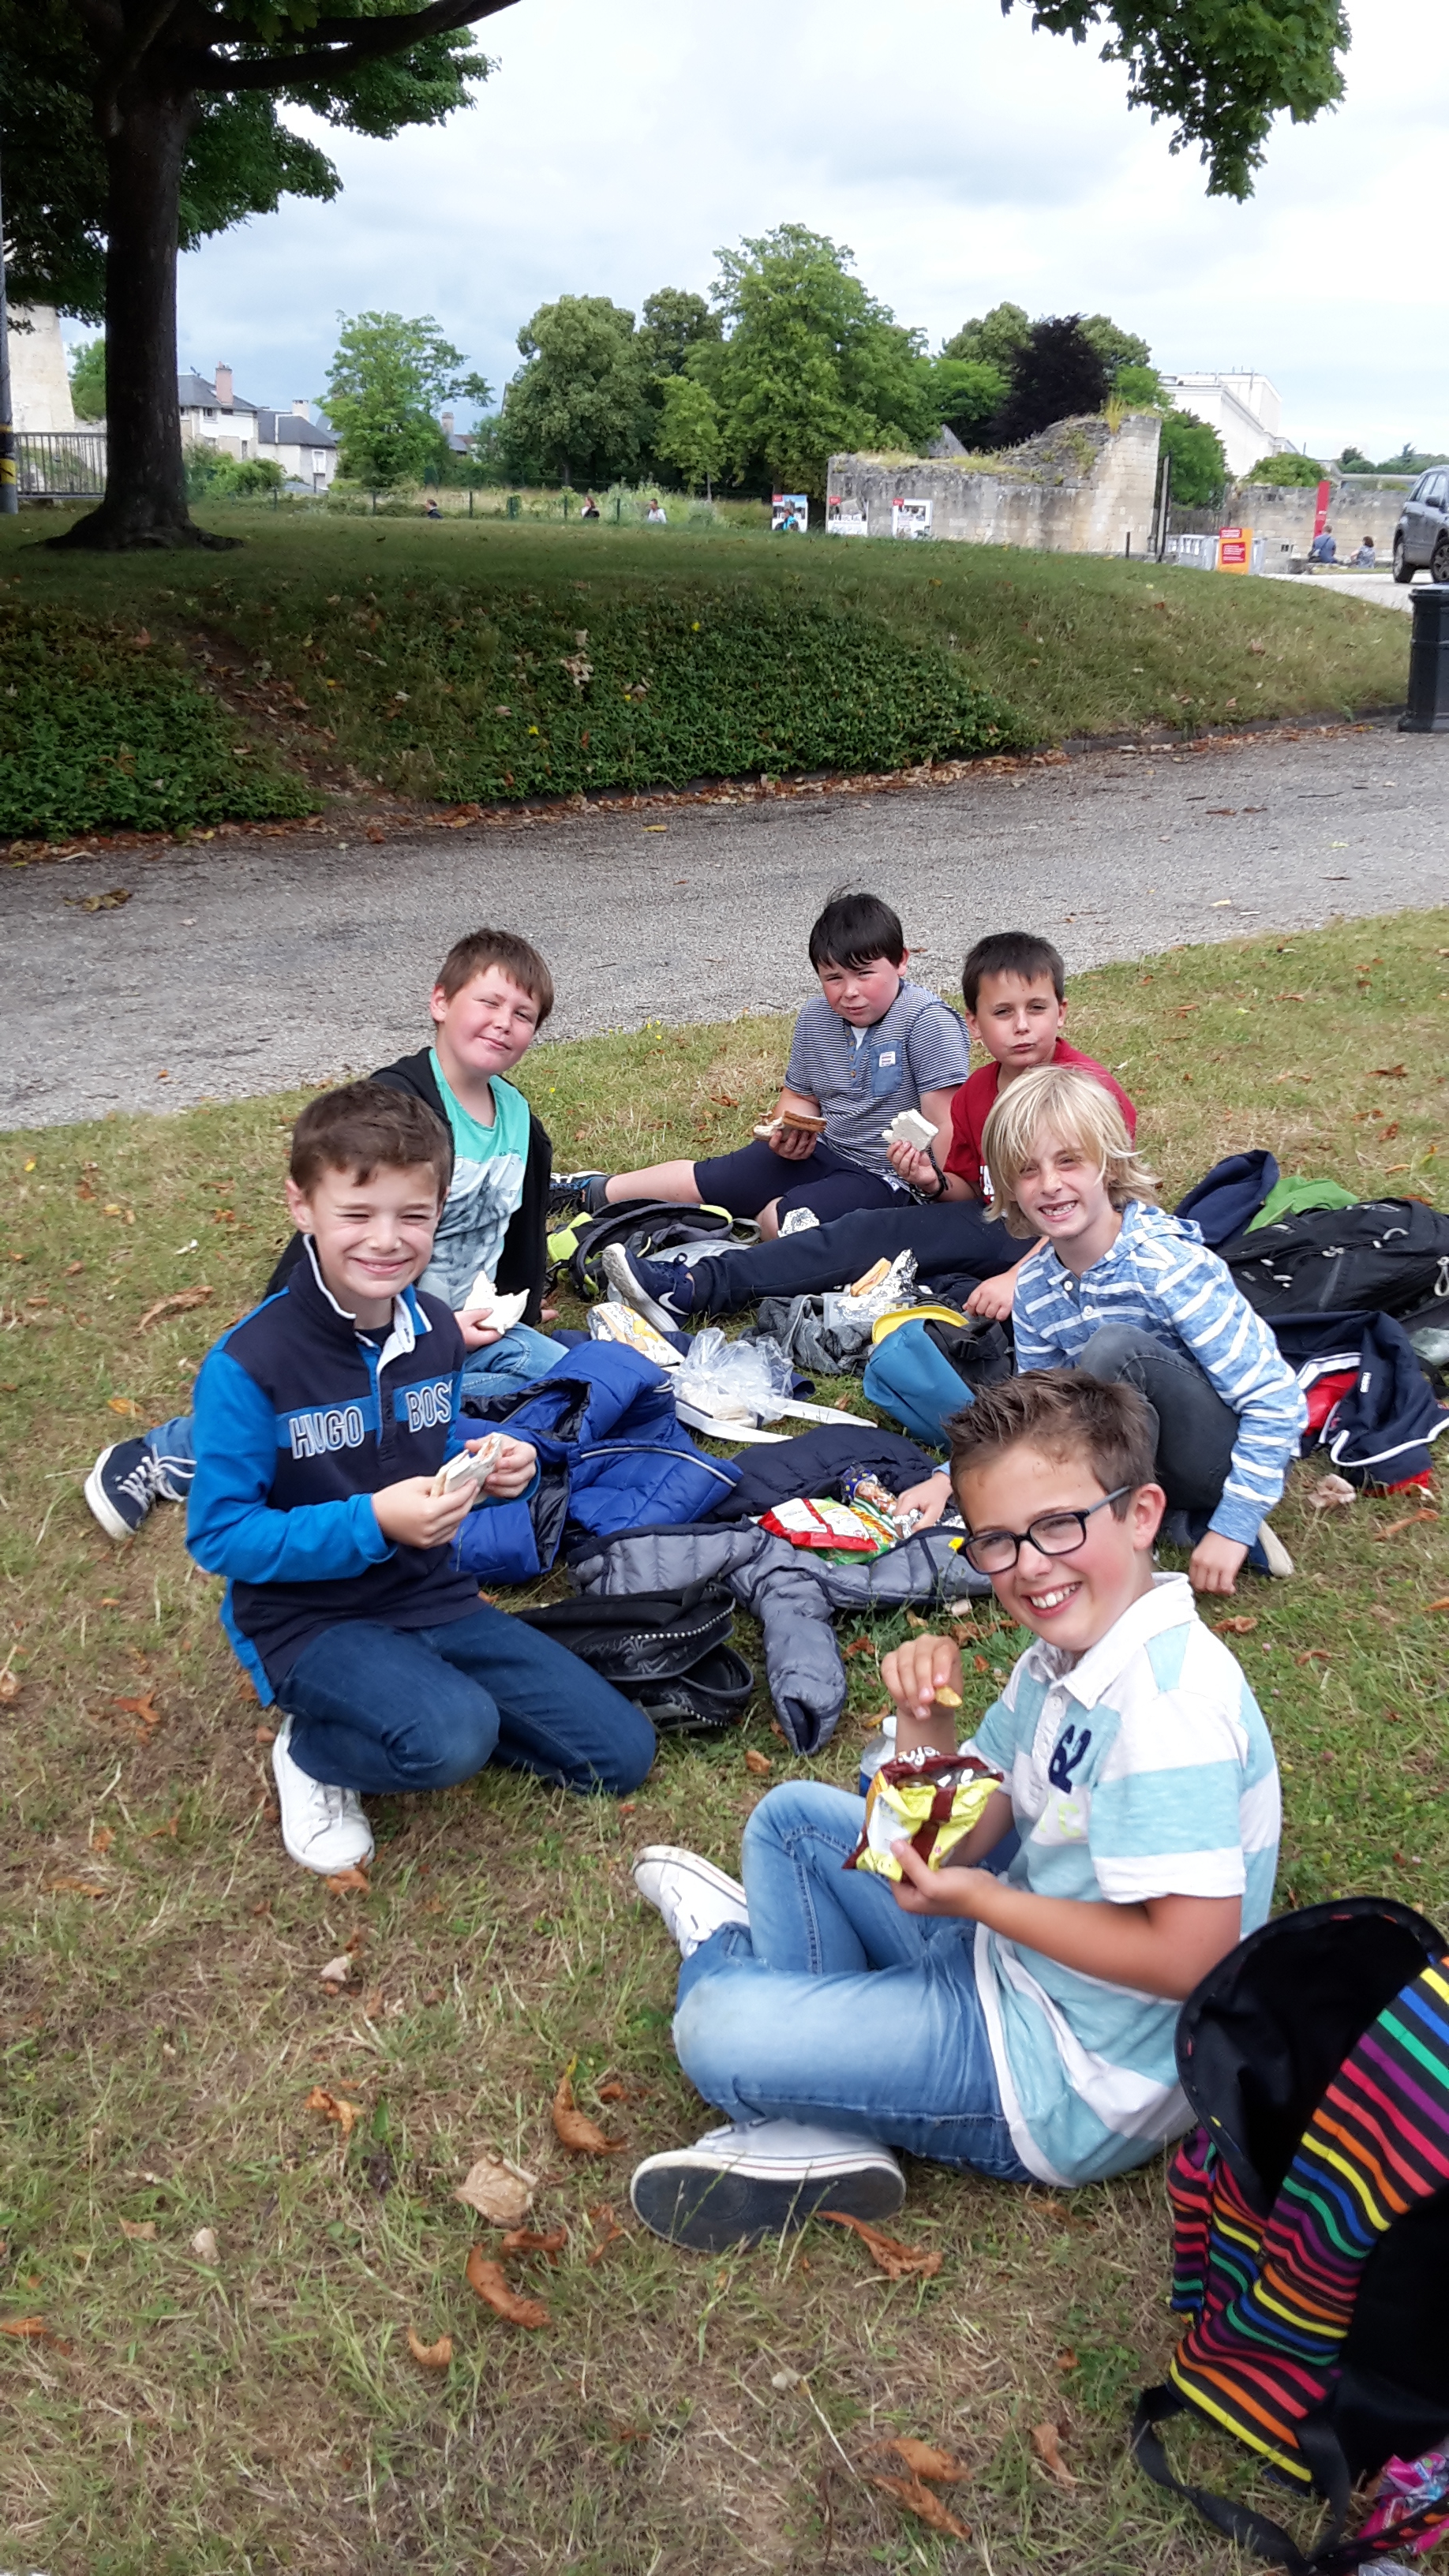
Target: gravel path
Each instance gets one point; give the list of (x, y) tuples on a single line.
[(239, 967)]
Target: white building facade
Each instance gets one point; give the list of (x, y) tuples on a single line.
[(1244, 408), (215, 415)]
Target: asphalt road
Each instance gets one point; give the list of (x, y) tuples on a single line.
[(238, 967)]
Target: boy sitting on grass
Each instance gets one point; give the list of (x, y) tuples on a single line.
[(1118, 1287), (322, 1421), (1019, 2020), (869, 1045), (492, 995), (1014, 988)]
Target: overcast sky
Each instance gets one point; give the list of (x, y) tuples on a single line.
[(962, 157)]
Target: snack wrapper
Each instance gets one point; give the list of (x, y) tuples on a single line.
[(833, 1528), (932, 1798)]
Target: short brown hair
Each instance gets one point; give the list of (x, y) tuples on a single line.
[(484, 948), (1066, 1414), (365, 1127)]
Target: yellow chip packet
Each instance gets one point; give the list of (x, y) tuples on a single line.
[(933, 1799)]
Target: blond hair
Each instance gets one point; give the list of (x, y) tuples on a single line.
[(1058, 1100)]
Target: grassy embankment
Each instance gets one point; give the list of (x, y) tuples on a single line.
[(337, 658), (164, 2021)]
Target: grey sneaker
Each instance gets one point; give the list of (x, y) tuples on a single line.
[(661, 1291), (736, 2185)]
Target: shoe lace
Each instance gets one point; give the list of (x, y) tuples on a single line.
[(146, 1481)]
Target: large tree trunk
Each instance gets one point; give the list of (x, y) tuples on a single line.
[(145, 503)]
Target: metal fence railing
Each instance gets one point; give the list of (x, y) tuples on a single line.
[(61, 464)]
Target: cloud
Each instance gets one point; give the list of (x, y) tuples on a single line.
[(962, 156)]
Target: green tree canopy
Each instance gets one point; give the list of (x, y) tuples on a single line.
[(1285, 471), (387, 380), (1140, 388), (88, 379), (1199, 467), (690, 434), (1115, 347), (992, 339), (967, 393), (576, 409), (673, 323), (1057, 374)]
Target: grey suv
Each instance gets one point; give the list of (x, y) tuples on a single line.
[(1422, 535)]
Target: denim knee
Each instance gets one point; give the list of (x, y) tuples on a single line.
[(448, 1744), (1110, 1349)]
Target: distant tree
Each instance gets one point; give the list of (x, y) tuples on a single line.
[(88, 379), (387, 380), (1055, 376), (690, 433), (1140, 388), (967, 394), (1410, 460), (211, 474), (1199, 467), (673, 323), (576, 409), (1116, 348), (1354, 461), (994, 339), (1285, 471), (812, 363)]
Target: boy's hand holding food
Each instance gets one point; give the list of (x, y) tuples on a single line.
[(913, 1167), (924, 1679), (477, 1332), (512, 1471), (413, 1514)]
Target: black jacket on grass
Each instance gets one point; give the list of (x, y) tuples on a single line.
[(523, 1262)]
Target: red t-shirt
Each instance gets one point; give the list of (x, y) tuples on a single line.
[(976, 1099)]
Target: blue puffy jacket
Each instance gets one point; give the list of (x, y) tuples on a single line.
[(611, 1456)]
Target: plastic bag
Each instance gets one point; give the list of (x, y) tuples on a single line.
[(734, 1381)]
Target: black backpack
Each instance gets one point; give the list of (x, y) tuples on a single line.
[(1311, 2219), (646, 1227), (1387, 1255), (667, 1651)]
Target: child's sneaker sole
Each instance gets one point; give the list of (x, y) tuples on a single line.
[(709, 2203)]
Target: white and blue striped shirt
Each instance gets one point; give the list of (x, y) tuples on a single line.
[(1160, 1278), (1141, 1769)]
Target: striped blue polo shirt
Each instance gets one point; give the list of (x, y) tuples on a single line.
[(1142, 1769)]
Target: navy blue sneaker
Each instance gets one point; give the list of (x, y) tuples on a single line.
[(661, 1291), (576, 1194), (123, 1484)]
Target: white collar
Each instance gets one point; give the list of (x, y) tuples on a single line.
[(408, 1319), (1169, 1604)]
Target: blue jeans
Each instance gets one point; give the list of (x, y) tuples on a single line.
[(380, 1709), (837, 2007), (504, 1366)]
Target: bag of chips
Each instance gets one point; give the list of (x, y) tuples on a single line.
[(933, 1799)]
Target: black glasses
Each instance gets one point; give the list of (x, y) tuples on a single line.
[(1055, 1534)]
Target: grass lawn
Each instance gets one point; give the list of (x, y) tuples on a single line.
[(338, 657), (253, 2404)]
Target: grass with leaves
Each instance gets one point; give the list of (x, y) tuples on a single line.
[(225, 2277)]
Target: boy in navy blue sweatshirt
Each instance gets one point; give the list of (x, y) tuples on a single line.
[(323, 1419)]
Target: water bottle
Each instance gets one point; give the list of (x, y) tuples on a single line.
[(877, 1748)]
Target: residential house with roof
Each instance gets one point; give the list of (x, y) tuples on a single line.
[(216, 415)]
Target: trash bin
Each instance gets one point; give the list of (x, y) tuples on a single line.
[(1428, 707)]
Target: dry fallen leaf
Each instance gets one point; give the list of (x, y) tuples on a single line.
[(181, 1304), (893, 2258), (919, 2500), (337, 1971), (489, 2282), (1438, 1605), (346, 1882), (204, 2246), (529, 2240), (500, 2192), (1411, 1520), (613, 2091), (573, 2127), (1332, 1494), (10, 1687), (25, 2329), (73, 1887), (433, 2356), (125, 1404), (101, 1838), (857, 1646), (1314, 1655), (759, 1763), (1389, 1072), (1241, 1626), (145, 1708), (604, 2219), (334, 2107), (1046, 2442), (142, 2231), (925, 2461)]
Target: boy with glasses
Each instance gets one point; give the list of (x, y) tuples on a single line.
[(1017, 2020)]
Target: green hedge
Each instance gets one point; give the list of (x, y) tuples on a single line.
[(503, 699), (98, 731)]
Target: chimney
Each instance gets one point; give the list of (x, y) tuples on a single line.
[(447, 424), (223, 388), (300, 409)]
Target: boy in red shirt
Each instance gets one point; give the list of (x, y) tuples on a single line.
[(1014, 989)]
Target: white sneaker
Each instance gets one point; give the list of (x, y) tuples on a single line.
[(738, 2184), (323, 1827), (693, 1896), (1280, 1563)]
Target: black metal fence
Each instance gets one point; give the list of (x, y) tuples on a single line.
[(61, 464)]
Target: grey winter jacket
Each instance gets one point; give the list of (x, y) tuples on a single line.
[(793, 1595)]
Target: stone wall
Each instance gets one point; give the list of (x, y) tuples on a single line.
[(39, 382), (1080, 489), (1360, 505)]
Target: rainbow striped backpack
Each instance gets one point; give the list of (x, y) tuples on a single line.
[(1311, 2226)]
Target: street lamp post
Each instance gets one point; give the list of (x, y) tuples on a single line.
[(9, 488)]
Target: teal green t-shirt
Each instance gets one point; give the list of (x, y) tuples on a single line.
[(487, 1187)]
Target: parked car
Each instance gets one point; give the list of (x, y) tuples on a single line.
[(1422, 535)]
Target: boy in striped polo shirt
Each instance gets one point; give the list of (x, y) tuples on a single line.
[(1018, 2019)]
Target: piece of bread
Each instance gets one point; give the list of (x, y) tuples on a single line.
[(469, 1466), (908, 1127)]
